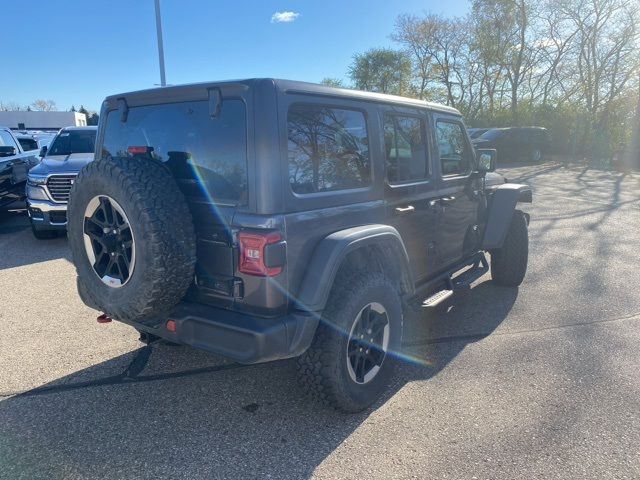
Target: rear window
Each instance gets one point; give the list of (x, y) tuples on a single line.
[(328, 149), (73, 141), (492, 134), (205, 152), (28, 144)]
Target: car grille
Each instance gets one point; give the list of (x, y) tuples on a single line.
[(59, 187)]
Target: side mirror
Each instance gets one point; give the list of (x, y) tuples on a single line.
[(487, 159), (43, 151), (8, 151)]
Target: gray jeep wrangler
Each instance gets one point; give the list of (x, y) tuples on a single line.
[(267, 219)]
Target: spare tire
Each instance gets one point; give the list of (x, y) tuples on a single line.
[(132, 238)]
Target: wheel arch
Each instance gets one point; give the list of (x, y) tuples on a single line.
[(503, 203), (370, 246)]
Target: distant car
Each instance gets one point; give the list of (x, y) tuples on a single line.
[(476, 132), (49, 182), (516, 143), (15, 162), (31, 142)]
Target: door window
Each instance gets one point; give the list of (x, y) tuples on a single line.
[(405, 149), (328, 149), (455, 155)]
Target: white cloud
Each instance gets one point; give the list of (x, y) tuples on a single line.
[(284, 17)]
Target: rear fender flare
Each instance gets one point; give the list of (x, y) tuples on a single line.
[(331, 252), (503, 203)]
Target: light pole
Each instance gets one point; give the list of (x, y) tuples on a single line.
[(163, 80)]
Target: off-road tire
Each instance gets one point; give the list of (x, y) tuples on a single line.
[(509, 263), (322, 369), (165, 246), (536, 156), (43, 234)]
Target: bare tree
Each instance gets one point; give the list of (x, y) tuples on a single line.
[(44, 105), (436, 45), (10, 107)]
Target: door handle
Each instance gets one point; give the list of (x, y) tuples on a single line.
[(405, 210), (446, 200)]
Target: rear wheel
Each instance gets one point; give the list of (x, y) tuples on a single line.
[(350, 361), (509, 263)]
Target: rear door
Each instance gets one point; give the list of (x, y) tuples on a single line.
[(459, 192), (410, 187)]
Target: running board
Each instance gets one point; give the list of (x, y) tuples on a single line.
[(478, 267), (437, 298)]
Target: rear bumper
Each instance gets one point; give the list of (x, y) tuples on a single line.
[(240, 337)]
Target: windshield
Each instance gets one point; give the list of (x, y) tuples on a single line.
[(476, 132), (73, 141), (492, 134)]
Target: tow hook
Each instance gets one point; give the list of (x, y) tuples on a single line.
[(104, 318), (148, 338)]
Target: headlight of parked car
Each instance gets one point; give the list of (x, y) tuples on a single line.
[(36, 193), (35, 180)]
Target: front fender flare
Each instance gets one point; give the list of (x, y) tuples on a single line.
[(331, 251), (503, 203)]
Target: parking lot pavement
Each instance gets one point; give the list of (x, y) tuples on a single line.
[(537, 382)]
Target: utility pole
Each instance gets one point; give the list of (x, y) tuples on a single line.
[(163, 80)]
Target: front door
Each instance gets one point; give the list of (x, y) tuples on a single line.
[(459, 192), (411, 188)]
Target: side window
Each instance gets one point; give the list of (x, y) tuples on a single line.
[(6, 140), (28, 144), (328, 149), (405, 149), (455, 155)]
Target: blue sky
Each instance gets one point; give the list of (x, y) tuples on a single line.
[(78, 51)]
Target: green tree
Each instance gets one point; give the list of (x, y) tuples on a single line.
[(333, 82), (382, 70)]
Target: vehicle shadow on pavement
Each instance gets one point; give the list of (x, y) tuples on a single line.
[(18, 246), (174, 411)]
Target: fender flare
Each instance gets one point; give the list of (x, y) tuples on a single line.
[(332, 250), (502, 205)]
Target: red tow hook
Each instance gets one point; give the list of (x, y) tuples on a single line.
[(103, 318)]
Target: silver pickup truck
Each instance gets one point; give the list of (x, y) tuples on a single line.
[(49, 182), (15, 162)]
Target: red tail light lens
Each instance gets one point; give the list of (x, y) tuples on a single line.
[(139, 150), (252, 253)]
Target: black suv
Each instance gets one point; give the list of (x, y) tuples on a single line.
[(266, 219), (516, 143)]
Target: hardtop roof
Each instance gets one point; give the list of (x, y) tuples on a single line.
[(291, 86)]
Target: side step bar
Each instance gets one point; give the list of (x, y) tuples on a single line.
[(478, 267)]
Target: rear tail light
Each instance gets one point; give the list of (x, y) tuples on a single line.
[(261, 254), (139, 150)]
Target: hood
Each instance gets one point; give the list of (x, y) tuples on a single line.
[(62, 163)]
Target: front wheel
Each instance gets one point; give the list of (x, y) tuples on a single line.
[(536, 155), (43, 234), (509, 263), (350, 361)]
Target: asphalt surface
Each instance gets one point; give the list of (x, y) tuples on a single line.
[(542, 381)]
